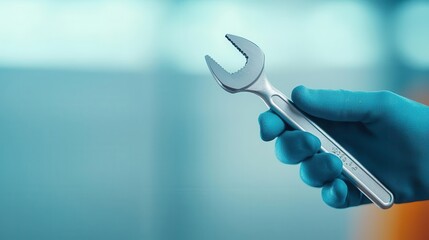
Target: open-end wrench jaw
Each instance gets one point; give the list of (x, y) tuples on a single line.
[(246, 76)]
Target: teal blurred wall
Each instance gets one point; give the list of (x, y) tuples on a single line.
[(111, 127)]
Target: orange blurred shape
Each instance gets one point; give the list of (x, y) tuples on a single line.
[(402, 222)]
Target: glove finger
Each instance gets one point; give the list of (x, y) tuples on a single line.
[(320, 169), (342, 194), (271, 125), (294, 146), (341, 105)]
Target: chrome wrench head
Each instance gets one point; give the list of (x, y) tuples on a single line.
[(246, 76)]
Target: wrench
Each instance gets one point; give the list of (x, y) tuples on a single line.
[(252, 78)]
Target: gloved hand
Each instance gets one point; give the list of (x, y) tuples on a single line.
[(386, 133)]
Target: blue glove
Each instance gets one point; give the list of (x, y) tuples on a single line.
[(385, 132)]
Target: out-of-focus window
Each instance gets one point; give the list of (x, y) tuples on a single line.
[(412, 33)]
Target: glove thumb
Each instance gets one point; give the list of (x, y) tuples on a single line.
[(339, 105)]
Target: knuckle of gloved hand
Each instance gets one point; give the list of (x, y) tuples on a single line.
[(307, 142), (262, 122), (266, 135), (320, 169), (294, 146), (386, 98), (333, 194), (270, 126), (282, 152), (309, 174), (262, 119), (286, 151), (331, 163)]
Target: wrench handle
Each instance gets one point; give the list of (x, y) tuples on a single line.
[(352, 169)]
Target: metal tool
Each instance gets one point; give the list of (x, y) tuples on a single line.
[(251, 78)]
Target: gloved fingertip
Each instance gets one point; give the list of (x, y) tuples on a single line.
[(299, 94), (270, 125), (334, 194)]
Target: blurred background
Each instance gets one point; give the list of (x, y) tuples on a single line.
[(111, 126)]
